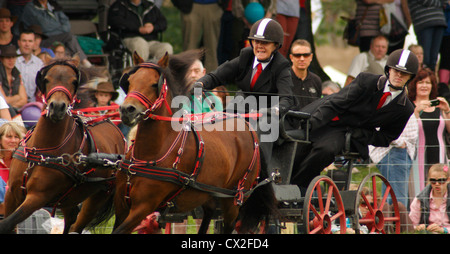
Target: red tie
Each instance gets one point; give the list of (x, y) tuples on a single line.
[(255, 77), (383, 99)]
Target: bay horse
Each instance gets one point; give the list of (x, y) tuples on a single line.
[(47, 169), (177, 170)]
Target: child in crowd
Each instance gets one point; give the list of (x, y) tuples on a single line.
[(429, 210)]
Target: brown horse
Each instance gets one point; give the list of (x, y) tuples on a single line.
[(47, 169), (181, 169)]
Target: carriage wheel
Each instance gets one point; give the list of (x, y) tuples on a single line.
[(377, 219), (322, 206)]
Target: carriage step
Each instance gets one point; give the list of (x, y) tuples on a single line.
[(287, 193)]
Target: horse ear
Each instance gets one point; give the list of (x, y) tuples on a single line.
[(164, 61), (137, 59)]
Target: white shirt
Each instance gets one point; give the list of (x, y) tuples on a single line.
[(28, 71), (263, 65), (360, 63), (394, 93), (3, 103), (409, 137)]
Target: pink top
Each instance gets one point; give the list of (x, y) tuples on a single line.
[(438, 215), (4, 171)]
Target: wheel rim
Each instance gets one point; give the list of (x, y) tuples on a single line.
[(377, 218), (320, 213)]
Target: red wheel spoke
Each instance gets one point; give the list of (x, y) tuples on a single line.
[(365, 221), (392, 218), (313, 209), (337, 215), (319, 198), (386, 194), (374, 192), (371, 211), (330, 194), (316, 230)]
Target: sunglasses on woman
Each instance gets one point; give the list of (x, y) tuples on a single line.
[(440, 180)]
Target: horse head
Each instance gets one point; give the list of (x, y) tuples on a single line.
[(58, 82), (149, 85), (146, 89)]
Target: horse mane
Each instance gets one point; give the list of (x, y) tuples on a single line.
[(179, 65)]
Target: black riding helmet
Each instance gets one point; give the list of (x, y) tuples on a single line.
[(402, 60), (267, 30)]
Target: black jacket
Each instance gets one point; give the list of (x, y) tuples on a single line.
[(126, 21), (274, 79), (355, 105)]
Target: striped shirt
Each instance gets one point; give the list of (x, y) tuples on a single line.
[(427, 13)]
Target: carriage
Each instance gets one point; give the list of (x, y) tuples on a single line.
[(177, 172), (318, 209)]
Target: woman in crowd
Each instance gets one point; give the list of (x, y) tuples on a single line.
[(10, 136), (431, 112)]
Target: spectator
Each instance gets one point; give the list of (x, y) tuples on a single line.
[(432, 121), (444, 65), (201, 24), (307, 85), (59, 49), (45, 57), (12, 88), (6, 23), (304, 28), (139, 23), (242, 25), (429, 209), (10, 135), (288, 14), (372, 61), (105, 95), (38, 37), (330, 87), (16, 8), (418, 51), (5, 116), (429, 25), (362, 109), (368, 13), (395, 161), (210, 102), (402, 14), (225, 44), (29, 65), (55, 25)]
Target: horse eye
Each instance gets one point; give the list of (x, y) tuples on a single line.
[(155, 85)]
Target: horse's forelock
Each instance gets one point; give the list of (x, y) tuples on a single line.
[(179, 65)]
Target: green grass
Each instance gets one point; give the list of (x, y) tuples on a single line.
[(173, 32)]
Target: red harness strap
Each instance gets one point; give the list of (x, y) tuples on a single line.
[(152, 106), (58, 89)]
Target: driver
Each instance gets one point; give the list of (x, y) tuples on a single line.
[(259, 71), (357, 109)]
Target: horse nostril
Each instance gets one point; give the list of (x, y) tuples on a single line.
[(130, 109), (58, 107)]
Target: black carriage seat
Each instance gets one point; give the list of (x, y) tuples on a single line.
[(283, 155), (299, 134)]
